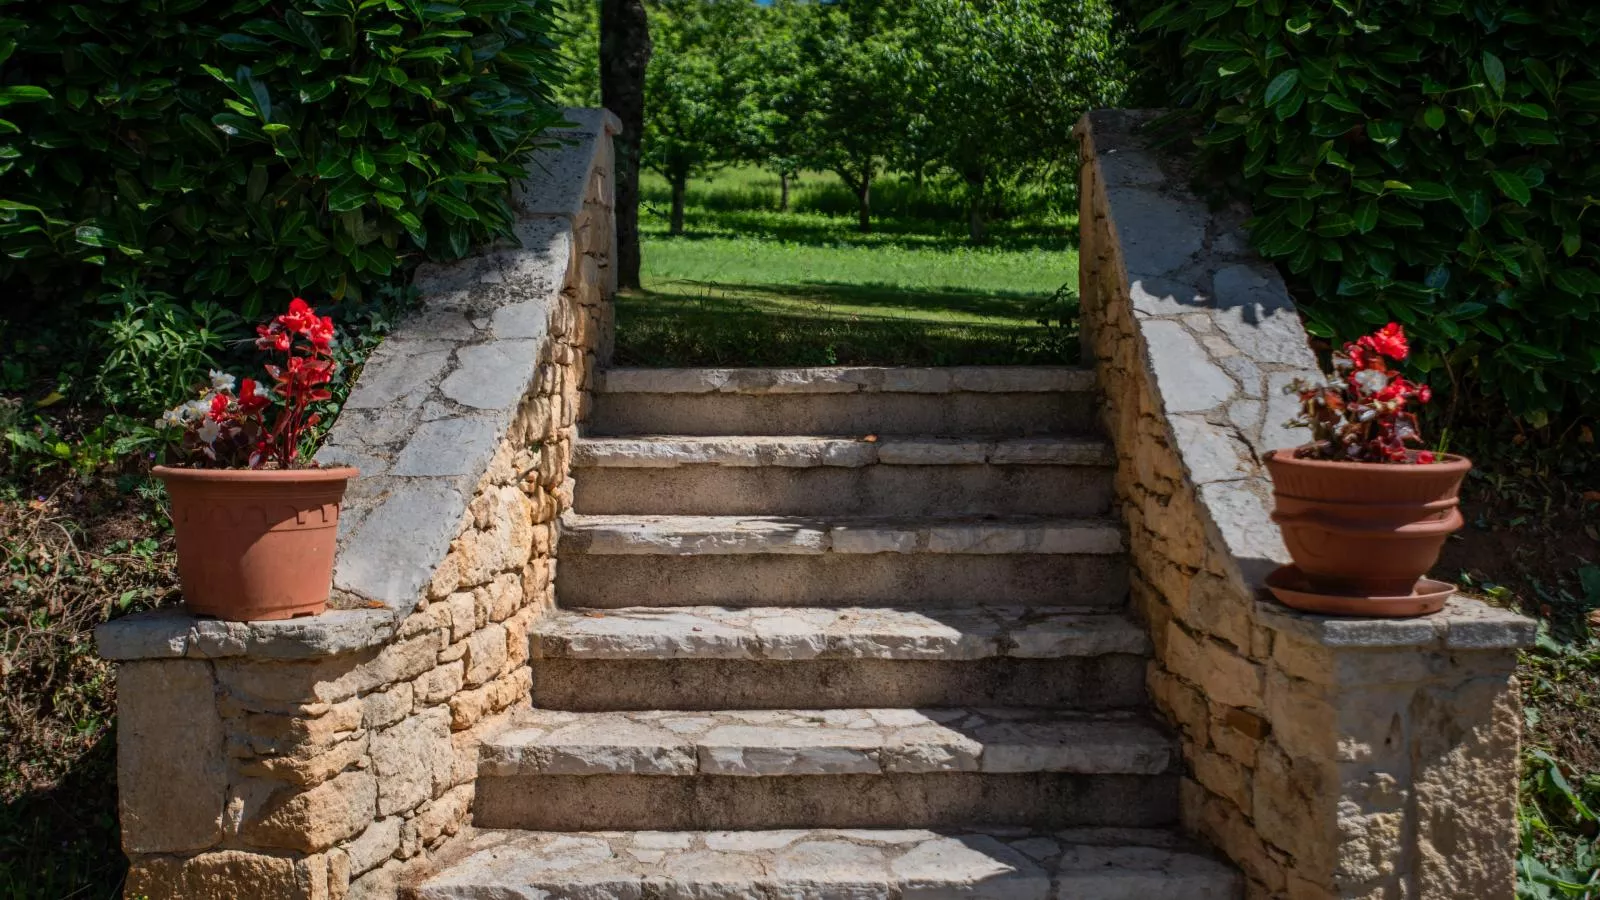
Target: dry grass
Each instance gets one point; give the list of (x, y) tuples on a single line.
[(72, 554)]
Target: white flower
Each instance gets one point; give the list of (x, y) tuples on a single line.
[(197, 409), (221, 381), (1371, 380), (260, 388), (172, 418), (209, 431)]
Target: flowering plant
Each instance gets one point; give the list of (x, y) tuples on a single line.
[(1361, 414), (227, 426)]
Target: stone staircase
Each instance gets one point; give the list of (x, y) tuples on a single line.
[(837, 633)]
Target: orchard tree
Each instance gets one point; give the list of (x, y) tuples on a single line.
[(700, 103), (857, 81), (1002, 82), (782, 128)]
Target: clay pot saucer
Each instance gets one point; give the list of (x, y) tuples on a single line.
[(1293, 589)]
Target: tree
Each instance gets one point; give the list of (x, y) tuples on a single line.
[(700, 104), (624, 58), (1003, 82), (782, 126), (857, 77)]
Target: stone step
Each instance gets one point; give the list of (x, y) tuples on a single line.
[(890, 476), (611, 561), (997, 400), (859, 864), (743, 658), (791, 742), (837, 768)]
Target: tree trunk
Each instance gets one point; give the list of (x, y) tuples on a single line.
[(977, 228), (678, 187), (624, 56), (864, 194), (783, 192)]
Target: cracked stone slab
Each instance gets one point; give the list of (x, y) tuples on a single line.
[(835, 633), (848, 380), (974, 864), (787, 743), (173, 633), (718, 535), (665, 452)]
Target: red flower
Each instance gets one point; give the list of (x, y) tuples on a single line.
[(273, 338), (1361, 415), (1426, 458), (1390, 340), (219, 407), (252, 397)]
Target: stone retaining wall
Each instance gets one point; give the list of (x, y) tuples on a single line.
[(1326, 757), (335, 757)]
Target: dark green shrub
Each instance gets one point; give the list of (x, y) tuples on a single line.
[(248, 150), (1426, 161)]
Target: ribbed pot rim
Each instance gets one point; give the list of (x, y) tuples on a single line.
[(234, 476), (1451, 462)]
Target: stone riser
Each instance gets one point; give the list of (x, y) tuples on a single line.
[(838, 579), (995, 414), (1093, 683), (878, 490), (643, 802)]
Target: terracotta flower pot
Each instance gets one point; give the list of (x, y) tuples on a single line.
[(1365, 529), (255, 544)]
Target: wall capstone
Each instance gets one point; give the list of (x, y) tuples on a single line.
[(1328, 758), (335, 756)]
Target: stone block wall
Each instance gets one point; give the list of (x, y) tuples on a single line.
[(335, 757), (1328, 758)]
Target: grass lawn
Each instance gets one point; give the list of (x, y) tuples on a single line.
[(748, 285)]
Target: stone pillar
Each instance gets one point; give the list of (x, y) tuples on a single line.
[(1328, 758)]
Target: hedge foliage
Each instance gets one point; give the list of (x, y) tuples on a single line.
[(246, 150), (1427, 161)]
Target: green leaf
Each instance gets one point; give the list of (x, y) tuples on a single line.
[(1366, 216), (1279, 87), (1494, 71), (1477, 207), (363, 164), (1425, 190), (347, 195), (22, 93), (1434, 117), (458, 208), (1512, 185)]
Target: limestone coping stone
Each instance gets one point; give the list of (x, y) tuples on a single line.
[(1463, 624), (1222, 342), (779, 743), (780, 633), (983, 864), (849, 380), (438, 396), (173, 633)]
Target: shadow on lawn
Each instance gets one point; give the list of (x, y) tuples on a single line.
[(63, 843), (895, 301), (801, 325)]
